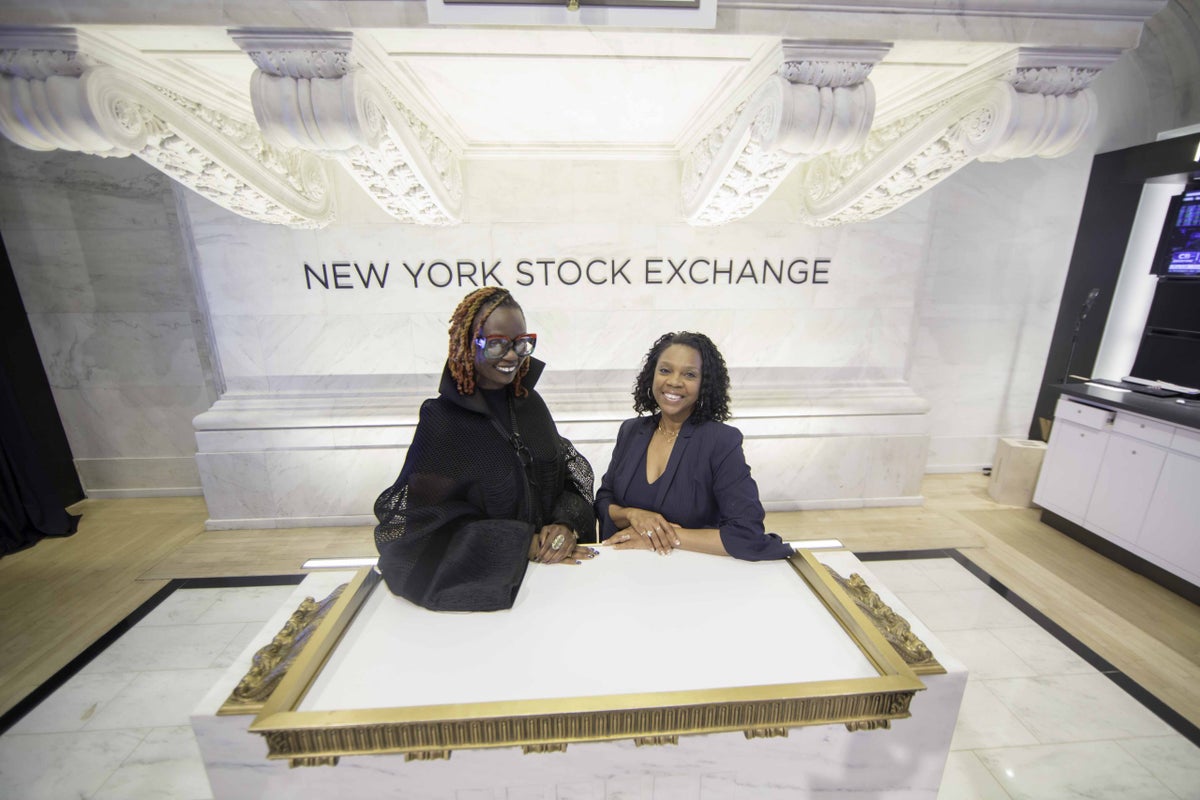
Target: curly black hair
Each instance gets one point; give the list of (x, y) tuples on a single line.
[(713, 402)]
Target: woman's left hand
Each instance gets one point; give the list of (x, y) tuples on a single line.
[(556, 542), (630, 539)]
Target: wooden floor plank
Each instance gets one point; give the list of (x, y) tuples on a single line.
[(1173, 620), (275, 551), (62, 595)]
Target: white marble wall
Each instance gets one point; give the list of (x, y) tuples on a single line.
[(97, 254), (1000, 241), (326, 382), (949, 300)]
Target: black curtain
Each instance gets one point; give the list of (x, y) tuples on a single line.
[(29, 506), (37, 473)]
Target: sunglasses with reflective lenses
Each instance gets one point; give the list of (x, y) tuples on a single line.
[(496, 347)]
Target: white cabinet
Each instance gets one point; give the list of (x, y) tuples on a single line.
[(1069, 471), (1172, 526), (1126, 481), (1128, 478)]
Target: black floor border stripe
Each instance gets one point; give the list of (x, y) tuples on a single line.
[(1134, 689), (56, 681)]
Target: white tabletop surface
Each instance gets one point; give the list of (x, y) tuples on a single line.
[(625, 622)]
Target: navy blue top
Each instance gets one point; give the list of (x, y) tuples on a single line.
[(706, 484)]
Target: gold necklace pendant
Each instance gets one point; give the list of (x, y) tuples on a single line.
[(670, 435)]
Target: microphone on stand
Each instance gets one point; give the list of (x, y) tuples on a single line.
[(1088, 302)]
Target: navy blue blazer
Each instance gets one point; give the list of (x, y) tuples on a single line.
[(707, 484)]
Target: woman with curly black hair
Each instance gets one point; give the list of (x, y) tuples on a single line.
[(678, 478)]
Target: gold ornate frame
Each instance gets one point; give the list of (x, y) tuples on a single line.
[(428, 732)]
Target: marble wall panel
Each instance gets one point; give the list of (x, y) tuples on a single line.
[(1152, 88), (99, 260), (237, 485), (999, 248), (352, 479), (118, 349), (954, 454), (76, 270), (254, 269), (139, 477), (633, 196), (240, 346), (895, 468), (549, 191), (804, 471), (101, 421), (978, 363), (57, 191)]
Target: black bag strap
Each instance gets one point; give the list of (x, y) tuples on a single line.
[(524, 456)]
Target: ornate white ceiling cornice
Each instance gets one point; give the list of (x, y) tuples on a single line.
[(52, 97), (1044, 108), (820, 101), (402, 108), (309, 93)]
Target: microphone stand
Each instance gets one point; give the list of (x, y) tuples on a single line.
[(1088, 302)]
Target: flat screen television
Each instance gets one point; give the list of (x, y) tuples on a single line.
[(1178, 254)]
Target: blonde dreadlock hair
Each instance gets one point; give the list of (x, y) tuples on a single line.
[(465, 322)]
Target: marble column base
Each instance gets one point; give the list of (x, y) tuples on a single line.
[(270, 459)]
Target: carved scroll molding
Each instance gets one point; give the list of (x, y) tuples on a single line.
[(308, 93), (53, 98), (820, 101), (895, 628), (1042, 108), (272, 661)]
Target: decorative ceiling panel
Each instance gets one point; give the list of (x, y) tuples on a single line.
[(874, 105), (593, 102)]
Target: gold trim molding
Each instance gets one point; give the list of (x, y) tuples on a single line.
[(271, 662), (550, 725), (894, 627), (766, 733)]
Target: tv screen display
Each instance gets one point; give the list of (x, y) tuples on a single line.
[(1178, 253)]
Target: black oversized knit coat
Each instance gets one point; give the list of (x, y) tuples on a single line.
[(455, 528)]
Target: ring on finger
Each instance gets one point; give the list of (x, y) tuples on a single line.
[(558, 542), (646, 533)]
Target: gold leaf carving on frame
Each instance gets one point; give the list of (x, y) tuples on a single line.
[(894, 627), (766, 733), (271, 662), (653, 741)]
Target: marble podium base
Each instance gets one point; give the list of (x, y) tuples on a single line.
[(904, 762), (308, 456)]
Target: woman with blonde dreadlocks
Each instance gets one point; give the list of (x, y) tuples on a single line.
[(488, 484)]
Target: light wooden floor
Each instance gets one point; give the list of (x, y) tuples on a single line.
[(63, 594)]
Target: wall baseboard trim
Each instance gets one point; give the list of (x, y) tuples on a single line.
[(155, 491)]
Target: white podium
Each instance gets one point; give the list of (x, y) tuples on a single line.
[(632, 676)]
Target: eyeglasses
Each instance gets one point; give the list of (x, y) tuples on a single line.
[(496, 347)]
